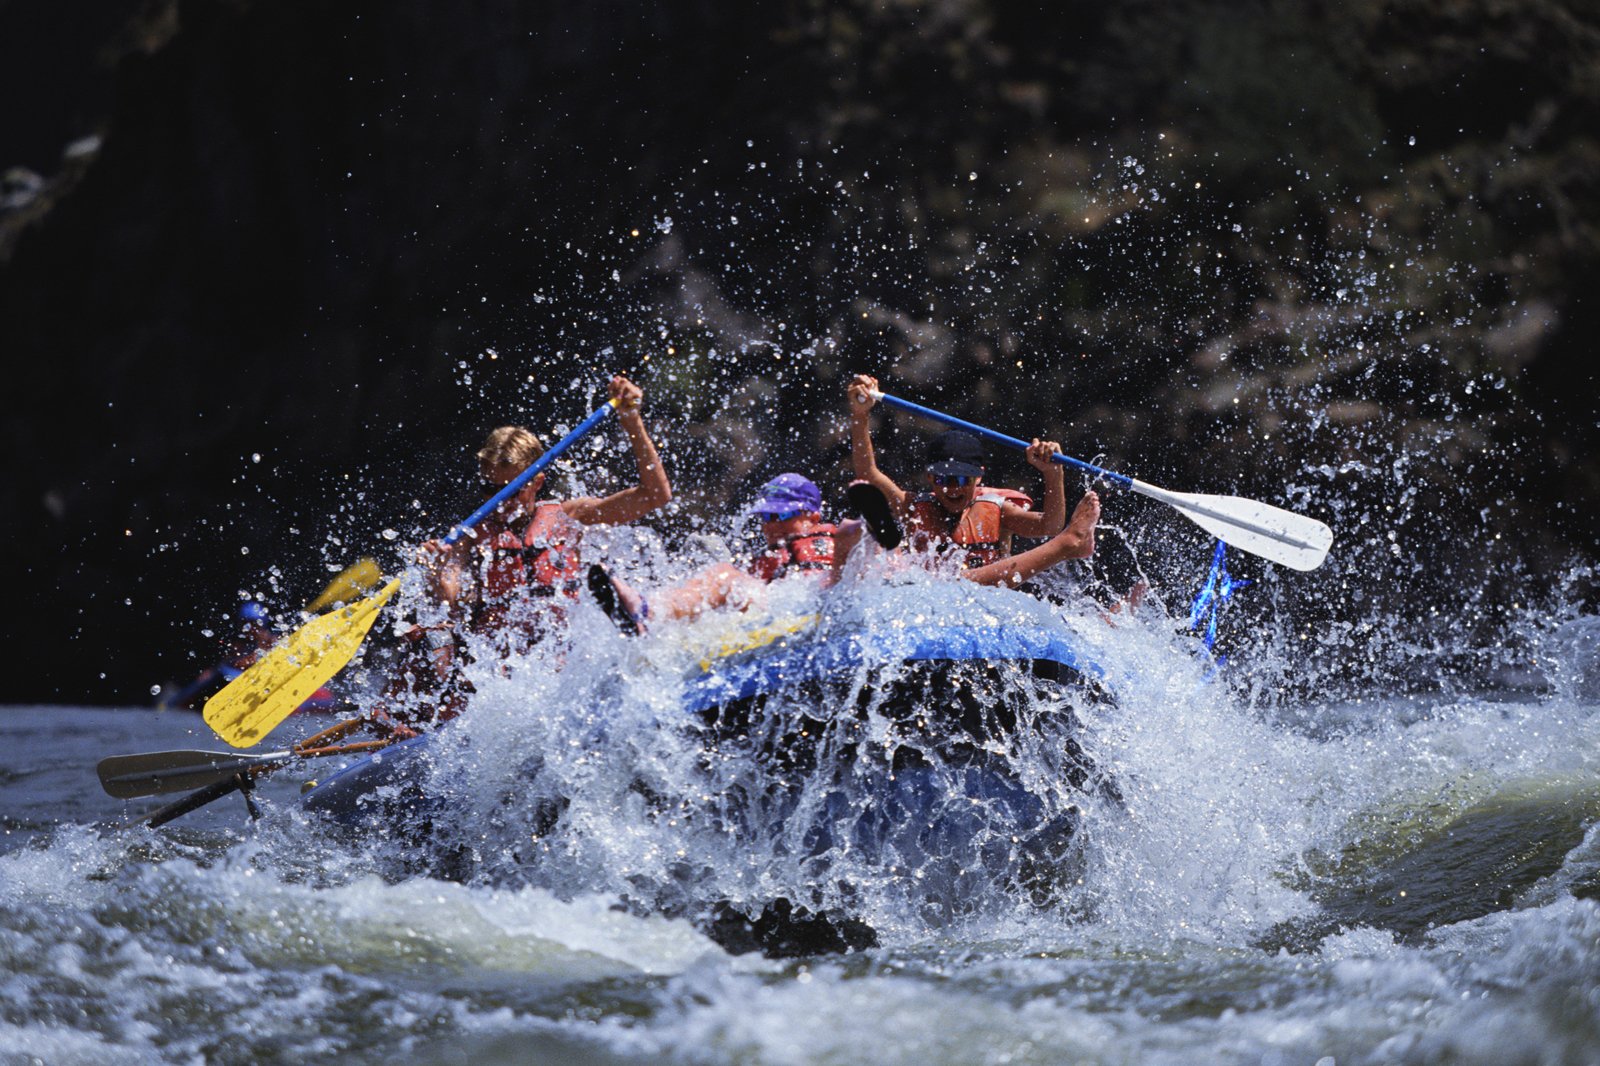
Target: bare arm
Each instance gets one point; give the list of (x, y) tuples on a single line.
[(1053, 518), (1074, 542), (652, 491), (863, 459), (444, 569)]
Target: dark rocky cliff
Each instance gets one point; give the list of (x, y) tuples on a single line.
[(1349, 248)]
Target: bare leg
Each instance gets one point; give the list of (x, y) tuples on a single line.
[(619, 600), (877, 518), (716, 586)]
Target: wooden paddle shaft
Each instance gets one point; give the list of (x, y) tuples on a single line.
[(329, 735)]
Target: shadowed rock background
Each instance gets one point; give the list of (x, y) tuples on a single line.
[(269, 270)]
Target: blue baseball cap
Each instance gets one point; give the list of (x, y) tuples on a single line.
[(788, 492), (956, 452)]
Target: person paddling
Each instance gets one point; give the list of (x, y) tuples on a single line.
[(506, 579), (253, 637), (957, 512)]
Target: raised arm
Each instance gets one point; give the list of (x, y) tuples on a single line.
[(861, 398), (652, 491), (1053, 518)]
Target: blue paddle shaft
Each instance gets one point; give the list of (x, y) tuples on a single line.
[(529, 474), (1001, 438)]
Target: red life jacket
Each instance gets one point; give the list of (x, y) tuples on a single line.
[(812, 550), (426, 684), (543, 558), (977, 529)]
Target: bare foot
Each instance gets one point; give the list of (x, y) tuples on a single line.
[(1127, 606), (1085, 517)]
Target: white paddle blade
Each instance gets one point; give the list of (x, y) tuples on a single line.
[(1274, 534)]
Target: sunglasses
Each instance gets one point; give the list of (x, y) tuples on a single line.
[(952, 480), (778, 516)]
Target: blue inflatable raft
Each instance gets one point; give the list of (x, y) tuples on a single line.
[(950, 750)]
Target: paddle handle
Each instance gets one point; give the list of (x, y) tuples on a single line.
[(532, 472), (1000, 438), (192, 769), (271, 760), (193, 801)]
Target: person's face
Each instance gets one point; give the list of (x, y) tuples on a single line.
[(778, 526), (497, 476), (954, 493)]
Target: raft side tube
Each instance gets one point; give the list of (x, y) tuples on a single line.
[(390, 784)]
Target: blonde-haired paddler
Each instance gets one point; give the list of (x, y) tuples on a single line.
[(508, 579)]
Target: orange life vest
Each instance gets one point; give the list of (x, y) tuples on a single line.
[(977, 529), (542, 558), (812, 550), (1016, 496)]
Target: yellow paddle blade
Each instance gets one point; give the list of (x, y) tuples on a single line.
[(358, 579), (254, 703)]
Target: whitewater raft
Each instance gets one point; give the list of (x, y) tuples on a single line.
[(902, 745)]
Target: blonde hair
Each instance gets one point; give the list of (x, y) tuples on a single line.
[(510, 446)]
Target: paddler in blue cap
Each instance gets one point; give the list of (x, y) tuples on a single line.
[(957, 512), (797, 542), (790, 510), (254, 636)]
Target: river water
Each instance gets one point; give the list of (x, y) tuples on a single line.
[(1378, 878)]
